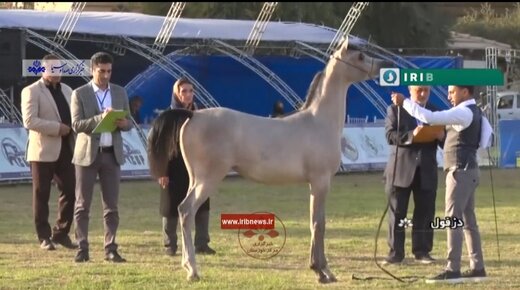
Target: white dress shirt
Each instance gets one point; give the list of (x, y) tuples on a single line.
[(459, 117), (104, 100)]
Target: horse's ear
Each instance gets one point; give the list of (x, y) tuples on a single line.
[(344, 45)]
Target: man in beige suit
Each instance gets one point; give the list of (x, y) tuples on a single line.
[(46, 114), (98, 153)]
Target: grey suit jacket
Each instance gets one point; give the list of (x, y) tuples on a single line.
[(86, 115)]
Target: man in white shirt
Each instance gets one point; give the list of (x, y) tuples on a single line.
[(466, 129)]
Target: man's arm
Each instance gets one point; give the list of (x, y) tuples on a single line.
[(459, 115), (81, 124), (392, 138), (31, 121)]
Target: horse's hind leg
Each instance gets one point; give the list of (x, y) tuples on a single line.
[(318, 262), (197, 195)]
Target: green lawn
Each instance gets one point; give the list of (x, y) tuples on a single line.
[(354, 208)]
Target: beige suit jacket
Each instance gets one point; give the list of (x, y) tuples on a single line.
[(41, 117), (86, 115)]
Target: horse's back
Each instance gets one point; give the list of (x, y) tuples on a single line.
[(269, 150)]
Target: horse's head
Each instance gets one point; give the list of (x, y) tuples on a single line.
[(355, 65)]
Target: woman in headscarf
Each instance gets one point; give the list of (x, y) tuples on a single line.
[(175, 185)]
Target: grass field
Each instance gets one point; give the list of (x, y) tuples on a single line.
[(354, 208)]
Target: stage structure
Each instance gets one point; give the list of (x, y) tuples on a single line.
[(68, 23), (8, 110), (155, 54), (259, 27), (492, 55), (245, 56), (195, 37)]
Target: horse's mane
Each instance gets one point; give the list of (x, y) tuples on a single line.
[(311, 93)]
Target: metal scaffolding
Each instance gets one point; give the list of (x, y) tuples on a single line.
[(8, 109), (51, 47), (259, 27), (68, 23), (264, 72), (348, 23), (170, 67), (168, 26)]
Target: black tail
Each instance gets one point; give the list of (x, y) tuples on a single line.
[(164, 138)]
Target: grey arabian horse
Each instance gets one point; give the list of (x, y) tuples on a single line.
[(301, 148)]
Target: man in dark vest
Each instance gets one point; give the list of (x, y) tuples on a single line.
[(466, 130)]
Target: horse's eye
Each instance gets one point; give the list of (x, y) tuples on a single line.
[(361, 56)]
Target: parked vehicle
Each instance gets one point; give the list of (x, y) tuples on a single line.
[(508, 105)]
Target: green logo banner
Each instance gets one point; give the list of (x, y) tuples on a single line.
[(440, 77)]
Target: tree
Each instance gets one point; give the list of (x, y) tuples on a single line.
[(486, 23)]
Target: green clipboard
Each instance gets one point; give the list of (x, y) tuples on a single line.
[(108, 123)]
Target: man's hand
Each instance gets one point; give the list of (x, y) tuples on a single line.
[(163, 181), (122, 123), (64, 130), (105, 112), (397, 99)]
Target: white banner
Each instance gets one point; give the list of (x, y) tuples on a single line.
[(364, 148), (13, 165), (136, 159)]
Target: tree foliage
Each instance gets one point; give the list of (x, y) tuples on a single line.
[(488, 24), (389, 24)]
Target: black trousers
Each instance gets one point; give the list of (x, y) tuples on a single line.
[(63, 174), (423, 215)]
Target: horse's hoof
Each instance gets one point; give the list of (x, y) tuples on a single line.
[(193, 278), (326, 280)]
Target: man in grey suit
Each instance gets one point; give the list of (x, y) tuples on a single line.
[(415, 171), (98, 153)]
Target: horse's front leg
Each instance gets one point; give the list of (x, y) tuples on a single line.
[(318, 262), (187, 220)]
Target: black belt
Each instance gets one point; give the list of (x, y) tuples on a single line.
[(108, 149)]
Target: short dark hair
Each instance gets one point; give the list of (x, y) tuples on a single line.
[(101, 57), (471, 89)]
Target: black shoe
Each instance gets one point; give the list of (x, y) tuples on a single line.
[(425, 259), (64, 241), (392, 261), (205, 250), (81, 256), (446, 277), (47, 244), (113, 256), (473, 275), (170, 251)]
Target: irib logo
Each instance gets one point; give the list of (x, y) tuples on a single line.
[(389, 77)]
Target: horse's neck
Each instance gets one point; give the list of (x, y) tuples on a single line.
[(330, 106)]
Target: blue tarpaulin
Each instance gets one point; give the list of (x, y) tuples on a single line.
[(235, 86), (509, 143)]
